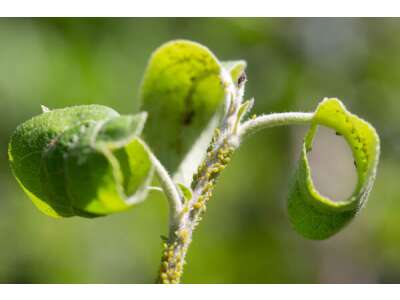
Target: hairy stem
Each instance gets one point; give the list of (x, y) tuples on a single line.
[(180, 237), (170, 190), (271, 120)]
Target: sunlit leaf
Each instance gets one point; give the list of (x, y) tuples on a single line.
[(318, 217), (82, 160), (182, 92)]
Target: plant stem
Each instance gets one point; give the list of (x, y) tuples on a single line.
[(271, 120), (175, 248), (170, 190)]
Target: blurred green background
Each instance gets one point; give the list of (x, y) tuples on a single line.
[(245, 236)]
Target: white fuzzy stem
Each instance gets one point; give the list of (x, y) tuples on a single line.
[(170, 190), (271, 120)]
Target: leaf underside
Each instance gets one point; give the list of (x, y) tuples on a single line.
[(313, 215)]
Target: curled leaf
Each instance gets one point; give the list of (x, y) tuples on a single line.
[(83, 160), (318, 217), (181, 91)]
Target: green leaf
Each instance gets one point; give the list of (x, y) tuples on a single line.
[(83, 160), (244, 108), (182, 92), (313, 215)]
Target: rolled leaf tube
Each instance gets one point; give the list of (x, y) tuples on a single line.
[(318, 217), (81, 161)]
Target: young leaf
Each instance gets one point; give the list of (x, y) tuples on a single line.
[(181, 91), (313, 215), (244, 108), (83, 160), (185, 191)]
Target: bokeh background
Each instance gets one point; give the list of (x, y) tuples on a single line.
[(245, 236)]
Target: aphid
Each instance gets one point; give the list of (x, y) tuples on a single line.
[(242, 78)]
